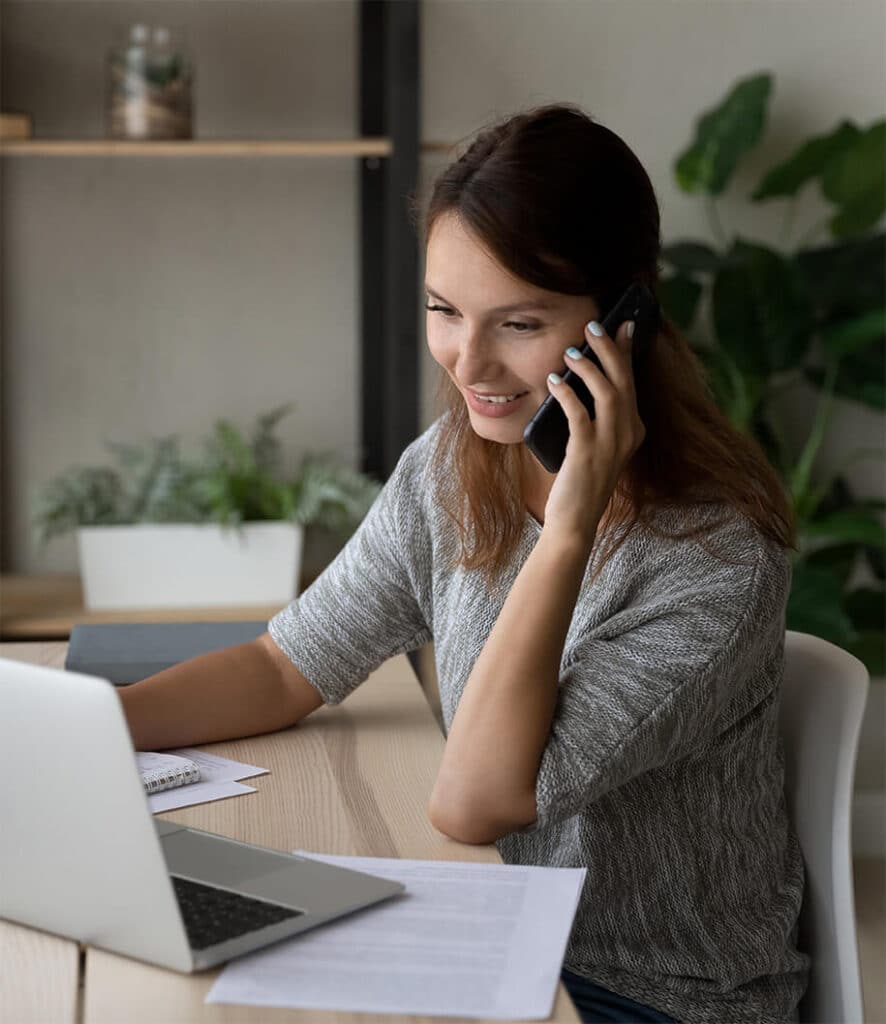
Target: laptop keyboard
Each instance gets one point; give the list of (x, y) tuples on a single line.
[(214, 915)]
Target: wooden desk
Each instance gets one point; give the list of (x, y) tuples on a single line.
[(353, 779)]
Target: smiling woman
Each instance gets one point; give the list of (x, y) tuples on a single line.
[(609, 638), (526, 250)]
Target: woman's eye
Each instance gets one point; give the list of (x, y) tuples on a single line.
[(518, 325)]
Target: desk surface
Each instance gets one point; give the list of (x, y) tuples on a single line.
[(353, 779)]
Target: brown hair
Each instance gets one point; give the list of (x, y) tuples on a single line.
[(538, 190)]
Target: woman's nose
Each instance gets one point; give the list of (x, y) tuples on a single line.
[(475, 359)]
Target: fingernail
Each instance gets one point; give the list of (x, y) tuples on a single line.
[(573, 352), (630, 329), (595, 329), (554, 378)]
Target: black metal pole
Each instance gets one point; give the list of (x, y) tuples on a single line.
[(389, 106)]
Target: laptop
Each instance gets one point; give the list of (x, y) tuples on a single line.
[(81, 855)]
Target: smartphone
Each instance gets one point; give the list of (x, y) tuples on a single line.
[(547, 432)]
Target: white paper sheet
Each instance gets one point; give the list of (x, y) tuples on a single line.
[(218, 777), (218, 769), (195, 793), (467, 940)]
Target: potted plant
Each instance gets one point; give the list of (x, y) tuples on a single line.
[(763, 319), (157, 530)]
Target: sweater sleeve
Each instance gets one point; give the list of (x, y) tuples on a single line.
[(365, 607), (663, 678)]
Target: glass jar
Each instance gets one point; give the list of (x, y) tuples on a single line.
[(149, 87)]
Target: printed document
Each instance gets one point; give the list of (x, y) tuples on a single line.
[(465, 940)]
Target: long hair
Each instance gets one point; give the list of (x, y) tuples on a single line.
[(562, 203)]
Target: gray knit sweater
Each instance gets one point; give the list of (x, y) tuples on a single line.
[(663, 771)]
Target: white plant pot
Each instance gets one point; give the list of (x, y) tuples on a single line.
[(183, 565)]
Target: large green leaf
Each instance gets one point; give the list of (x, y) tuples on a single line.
[(846, 278), (841, 339), (815, 605), (761, 310), (851, 525), (723, 135), (870, 648), (839, 560), (679, 297), (855, 181), (876, 557), (867, 607), (691, 257), (860, 377), (877, 561), (806, 163)]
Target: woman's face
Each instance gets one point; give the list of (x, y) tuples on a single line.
[(495, 335)]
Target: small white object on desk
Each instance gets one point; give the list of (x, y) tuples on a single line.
[(465, 939), (218, 777)]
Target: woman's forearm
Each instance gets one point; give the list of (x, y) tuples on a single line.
[(485, 786), (238, 691)]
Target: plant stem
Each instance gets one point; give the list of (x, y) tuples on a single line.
[(714, 220), (803, 469)]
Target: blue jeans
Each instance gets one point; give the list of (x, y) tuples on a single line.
[(595, 1003)]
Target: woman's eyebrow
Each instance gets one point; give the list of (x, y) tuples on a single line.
[(499, 309)]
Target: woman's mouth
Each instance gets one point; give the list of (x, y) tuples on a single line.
[(495, 405)]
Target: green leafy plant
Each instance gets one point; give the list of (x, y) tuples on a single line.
[(237, 481), (764, 318)]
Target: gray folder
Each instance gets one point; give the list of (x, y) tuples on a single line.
[(128, 652)]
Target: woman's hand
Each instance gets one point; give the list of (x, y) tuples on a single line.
[(598, 450)]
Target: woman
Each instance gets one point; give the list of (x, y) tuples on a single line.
[(609, 638)]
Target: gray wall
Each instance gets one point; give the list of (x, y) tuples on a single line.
[(152, 296)]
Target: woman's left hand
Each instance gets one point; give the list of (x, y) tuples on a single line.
[(598, 450)]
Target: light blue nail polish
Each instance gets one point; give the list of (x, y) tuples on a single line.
[(554, 378), (573, 352), (595, 329), (629, 330)]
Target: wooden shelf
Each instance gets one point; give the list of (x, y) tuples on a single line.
[(209, 147), (47, 607), (197, 147)]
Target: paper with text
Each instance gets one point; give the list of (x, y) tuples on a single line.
[(467, 940)]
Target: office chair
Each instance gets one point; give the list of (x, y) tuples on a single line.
[(823, 698)]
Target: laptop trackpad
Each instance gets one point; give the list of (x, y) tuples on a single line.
[(218, 861)]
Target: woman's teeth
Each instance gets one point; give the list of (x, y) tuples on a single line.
[(498, 398)]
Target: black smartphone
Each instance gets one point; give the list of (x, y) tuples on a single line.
[(547, 432)]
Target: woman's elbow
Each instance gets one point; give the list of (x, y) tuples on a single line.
[(471, 827)]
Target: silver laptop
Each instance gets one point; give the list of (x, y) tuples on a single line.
[(81, 856)]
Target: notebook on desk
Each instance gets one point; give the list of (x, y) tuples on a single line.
[(127, 652)]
